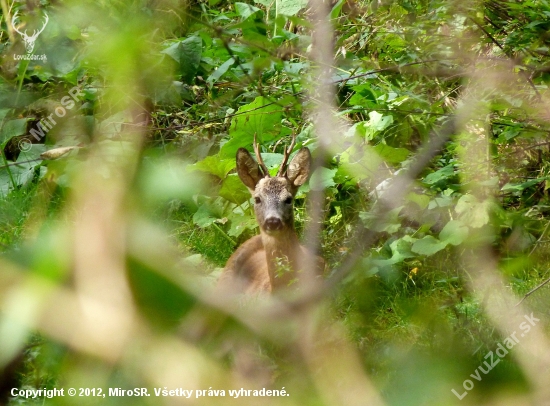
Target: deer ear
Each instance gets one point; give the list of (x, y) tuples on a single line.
[(298, 169), (248, 169)]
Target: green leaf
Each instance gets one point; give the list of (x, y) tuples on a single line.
[(422, 201), (13, 128), (5, 182), (358, 160), (245, 10), (518, 187), (473, 213), (165, 179), (428, 245), (162, 301), (272, 161), (187, 54), (336, 9), (454, 232), (31, 153), (234, 190), (112, 126), (465, 203), (261, 117), (322, 178), (220, 71), (390, 154), (390, 225), (209, 211), (401, 249), (215, 166), (240, 223), (203, 217), (443, 201), (290, 7), (440, 174), (358, 129), (24, 172), (3, 114), (365, 95), (379, 122)]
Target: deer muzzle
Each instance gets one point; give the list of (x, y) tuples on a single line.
[(273, 224)]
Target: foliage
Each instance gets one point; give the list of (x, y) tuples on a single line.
[(156, 97)]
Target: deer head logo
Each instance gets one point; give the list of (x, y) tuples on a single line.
[(29, 40)]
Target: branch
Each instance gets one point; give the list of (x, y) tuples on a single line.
[(533, 291)]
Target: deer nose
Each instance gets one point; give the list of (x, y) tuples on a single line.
[(273, 224)]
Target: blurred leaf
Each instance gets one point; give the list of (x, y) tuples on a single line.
[(161, 301), (401, 250), (428, 245), (421, 200), (440, 174), (3, 114), (322, 178), (518, 187), (454, 232), (163, 179), (472, 212), (390, 154), (187, 54), (112, 126), (390, 225), (337, 9), (290, 7), (245, 10), (13, 128)]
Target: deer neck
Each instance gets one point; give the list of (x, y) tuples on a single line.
[(281, 255)]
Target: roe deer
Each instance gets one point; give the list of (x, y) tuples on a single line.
[(269, 261)]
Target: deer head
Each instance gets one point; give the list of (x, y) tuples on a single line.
[(29, 40), (274, 196)]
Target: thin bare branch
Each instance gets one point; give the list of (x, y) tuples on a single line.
[(533, 291)]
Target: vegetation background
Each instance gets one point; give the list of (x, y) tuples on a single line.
[(429, 122)]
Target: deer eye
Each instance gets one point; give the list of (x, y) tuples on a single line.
[(288, 200), (257, 200)]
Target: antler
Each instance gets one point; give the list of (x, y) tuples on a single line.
[(283, 168), (259, 158)]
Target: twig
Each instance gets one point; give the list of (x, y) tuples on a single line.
[(19, 163), (533, 291), (540, 238), (394, 68)]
